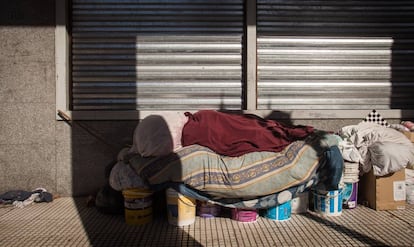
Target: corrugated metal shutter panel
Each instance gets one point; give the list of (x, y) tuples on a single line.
[(335, 54), (156, 54)]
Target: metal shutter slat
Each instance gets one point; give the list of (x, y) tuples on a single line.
[(168, 54), (335, 54)]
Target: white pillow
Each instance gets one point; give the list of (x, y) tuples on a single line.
[(389, 157)]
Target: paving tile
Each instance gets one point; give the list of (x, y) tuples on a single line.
[(69, 222)]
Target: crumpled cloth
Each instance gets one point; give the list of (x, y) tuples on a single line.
[(237, 134), (22, 198), (383, 149), (122, 177)]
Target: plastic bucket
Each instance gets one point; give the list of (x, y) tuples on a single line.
[(328, 203), (181, 210), (244, 215), (138, 206), (300, 204), (207, 210), (281, 212), (350, 195)]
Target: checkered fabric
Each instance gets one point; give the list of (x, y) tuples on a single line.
[(375, 117)]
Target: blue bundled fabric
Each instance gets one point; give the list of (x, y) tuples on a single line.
[(12, 196)]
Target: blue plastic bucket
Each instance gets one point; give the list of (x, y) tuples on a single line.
[(328, 203), (281, 212)]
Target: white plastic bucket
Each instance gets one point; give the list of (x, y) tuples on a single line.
[(181, 210), (328, 203)]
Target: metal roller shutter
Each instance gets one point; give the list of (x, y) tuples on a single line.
[(335, 54), (156, 54)]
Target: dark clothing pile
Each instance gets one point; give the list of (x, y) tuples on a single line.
[(21, 198)]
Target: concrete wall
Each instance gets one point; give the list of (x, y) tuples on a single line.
[(28, 129), (35, 149)]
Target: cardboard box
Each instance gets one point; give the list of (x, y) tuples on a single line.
[(383, 193), (409, 135)]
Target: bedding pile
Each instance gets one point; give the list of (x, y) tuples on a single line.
[(373, 146), (240, 161)]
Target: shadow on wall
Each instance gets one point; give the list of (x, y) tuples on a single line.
[(151, 138), (27, 13), (402, 74), (93, 145)]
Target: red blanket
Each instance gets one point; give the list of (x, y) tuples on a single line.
[(238, 134)]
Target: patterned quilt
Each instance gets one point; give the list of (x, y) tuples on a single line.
[(253, 180)]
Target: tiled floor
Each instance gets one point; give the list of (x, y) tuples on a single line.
[(69, 222)]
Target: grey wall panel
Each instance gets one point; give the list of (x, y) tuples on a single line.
[(157, 54), (335, 54)]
